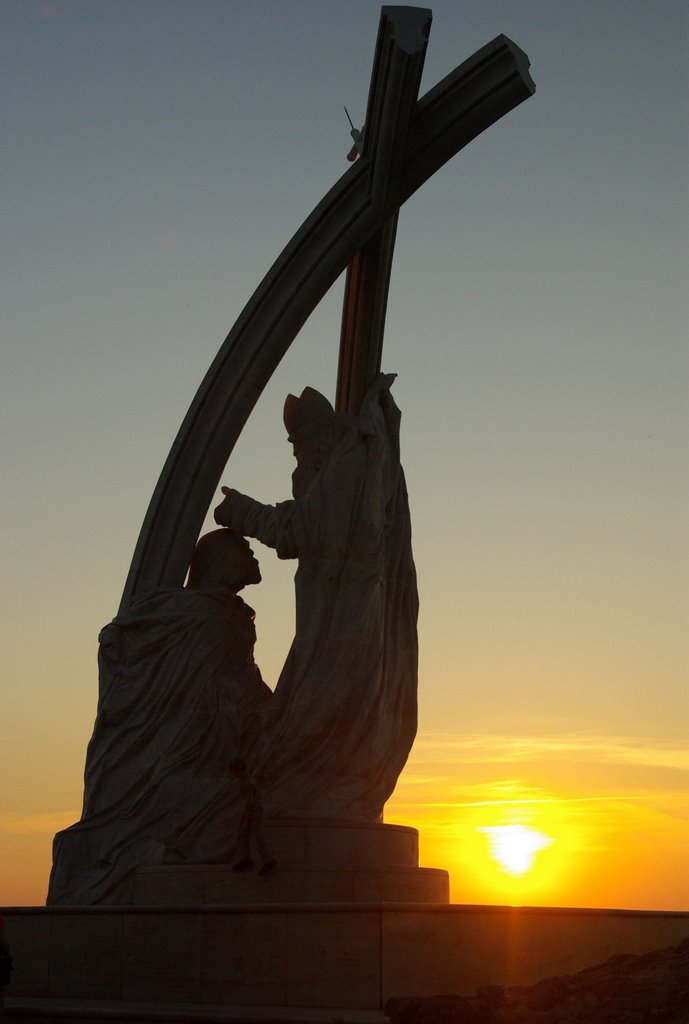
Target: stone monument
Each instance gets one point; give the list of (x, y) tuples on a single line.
[(144, 906), (181, 697), (328, 745), (146, 918)]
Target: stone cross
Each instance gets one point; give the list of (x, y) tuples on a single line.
[(353, 226)]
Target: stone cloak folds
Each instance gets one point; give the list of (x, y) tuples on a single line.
[(339, 728), (179, 697)]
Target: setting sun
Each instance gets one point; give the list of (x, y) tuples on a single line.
[(514, 847)]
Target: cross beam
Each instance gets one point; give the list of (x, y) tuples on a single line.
[(395, 81), (398, 64), (356, 212)]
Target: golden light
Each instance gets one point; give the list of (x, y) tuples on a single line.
[(507, 842), (514, 847)]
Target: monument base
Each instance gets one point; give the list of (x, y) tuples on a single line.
[(197, 963), (179, 954)]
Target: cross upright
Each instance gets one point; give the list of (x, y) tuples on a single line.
[(353, 227)]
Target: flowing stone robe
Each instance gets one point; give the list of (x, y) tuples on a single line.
[(339, 728), (179, 698)]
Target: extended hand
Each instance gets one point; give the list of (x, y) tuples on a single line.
[(222, 512)]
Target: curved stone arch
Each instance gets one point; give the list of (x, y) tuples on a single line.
[(475, 95)]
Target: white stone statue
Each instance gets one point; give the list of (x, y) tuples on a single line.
[(342, 720), (179, 698)]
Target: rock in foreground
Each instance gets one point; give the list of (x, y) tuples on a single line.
[(652, 988)]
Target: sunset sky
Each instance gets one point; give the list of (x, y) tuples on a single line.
[(157, 156)]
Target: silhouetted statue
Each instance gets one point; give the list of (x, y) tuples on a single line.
[(179, 698), (339, 728)]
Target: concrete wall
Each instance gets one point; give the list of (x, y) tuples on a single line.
[(458, 948), (350, 956)]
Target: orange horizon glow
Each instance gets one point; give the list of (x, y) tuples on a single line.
[(568, 842), (516, 842)]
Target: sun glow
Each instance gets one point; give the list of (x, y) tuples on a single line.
[(514, 841), (514, 847)]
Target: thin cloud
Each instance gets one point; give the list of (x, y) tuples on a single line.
[(623, 798), (494, 748)]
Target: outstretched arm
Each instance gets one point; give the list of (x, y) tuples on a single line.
[(271, 524)]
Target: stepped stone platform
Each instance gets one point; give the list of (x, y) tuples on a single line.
[(318, 862)]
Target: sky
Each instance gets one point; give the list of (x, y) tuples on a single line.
[(157, 157)]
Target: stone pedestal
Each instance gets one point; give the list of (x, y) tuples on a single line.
[(318, 862), (198, 940)]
